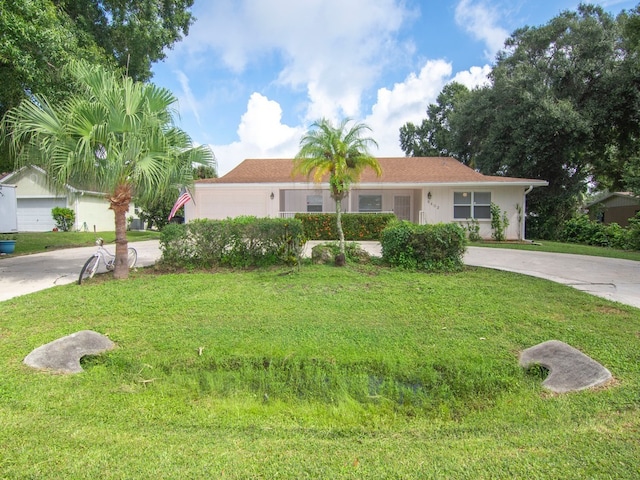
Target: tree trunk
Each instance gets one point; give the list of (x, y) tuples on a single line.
[(340, 232), (120, 202)]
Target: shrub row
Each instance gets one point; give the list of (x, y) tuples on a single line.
[(237, 242), (581, 229), (355, 226), (437, 247)]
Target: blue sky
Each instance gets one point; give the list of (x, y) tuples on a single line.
[(252, 75)]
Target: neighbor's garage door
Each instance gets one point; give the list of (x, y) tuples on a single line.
[(34, 214)]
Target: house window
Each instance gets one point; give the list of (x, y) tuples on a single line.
[(370, 203), (472, 205), (314, 203)]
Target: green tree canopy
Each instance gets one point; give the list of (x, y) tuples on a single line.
[(40, 37), (562, 105), (116, 135), (134, 32), (342, 153), (433, 136)]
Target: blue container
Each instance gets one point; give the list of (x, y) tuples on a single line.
[(7, 246)]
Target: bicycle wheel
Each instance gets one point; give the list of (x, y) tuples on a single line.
[(89, 269), (132, 257)]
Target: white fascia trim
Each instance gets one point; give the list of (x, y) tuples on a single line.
[(291, 185), (376, 185), (537, 183), (95, 194)]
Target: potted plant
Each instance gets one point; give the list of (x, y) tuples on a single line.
[(7, 243)]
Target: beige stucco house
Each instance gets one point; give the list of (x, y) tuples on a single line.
[(36, 197), (419, 189)]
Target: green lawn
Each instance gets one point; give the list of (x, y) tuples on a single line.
[(359, 372)]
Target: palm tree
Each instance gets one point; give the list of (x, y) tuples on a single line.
[(116, 136), (341, 153)]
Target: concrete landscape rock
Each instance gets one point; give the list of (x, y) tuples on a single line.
[(63, 355), (569, 369)]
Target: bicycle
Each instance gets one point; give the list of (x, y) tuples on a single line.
[(91, 266)]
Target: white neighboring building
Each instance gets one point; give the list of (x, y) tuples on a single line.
[(36, 198)]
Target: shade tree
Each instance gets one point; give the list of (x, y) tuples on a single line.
[(115, 136)]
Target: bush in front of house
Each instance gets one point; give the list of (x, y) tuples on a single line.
[(436, 247), (356, 226), (581, 229), (633, 232), (237, 242), (325, 253), (64, 218)]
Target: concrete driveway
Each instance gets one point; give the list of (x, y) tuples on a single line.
[(613, 279), (30, 273), (610, 278)]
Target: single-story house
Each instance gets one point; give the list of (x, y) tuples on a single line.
[(418, 189), (616, 207), (36, 198)]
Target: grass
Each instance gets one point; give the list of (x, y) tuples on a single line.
[(558, 247), (45, 241), (359, 372)]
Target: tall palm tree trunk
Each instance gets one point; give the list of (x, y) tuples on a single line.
[(120, 202), (340, 261)]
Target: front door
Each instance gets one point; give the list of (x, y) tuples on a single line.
[(402, 207)]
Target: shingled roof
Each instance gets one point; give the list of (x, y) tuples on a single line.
[(412, 170)]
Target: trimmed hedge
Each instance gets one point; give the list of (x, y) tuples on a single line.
[(238, 242), (436, 247), (355, 226)]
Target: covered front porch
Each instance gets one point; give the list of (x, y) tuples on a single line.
[(404, 203)]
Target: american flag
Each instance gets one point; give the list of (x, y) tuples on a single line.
[(184, 197)]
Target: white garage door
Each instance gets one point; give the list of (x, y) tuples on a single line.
[(34, 214)]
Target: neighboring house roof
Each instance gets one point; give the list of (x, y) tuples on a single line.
[(399, 170), (612, 195), (17, 173)]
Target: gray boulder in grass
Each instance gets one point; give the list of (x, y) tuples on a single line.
[(63, 355), (569, 369)]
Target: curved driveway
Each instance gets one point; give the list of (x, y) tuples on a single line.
[(610, 278), (613, 279), (30, 273)]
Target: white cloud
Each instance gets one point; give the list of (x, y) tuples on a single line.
[(261, 135), (474, 77), (408, 101), (332, 48), (405, 102), (186, 99), (481, 21)]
